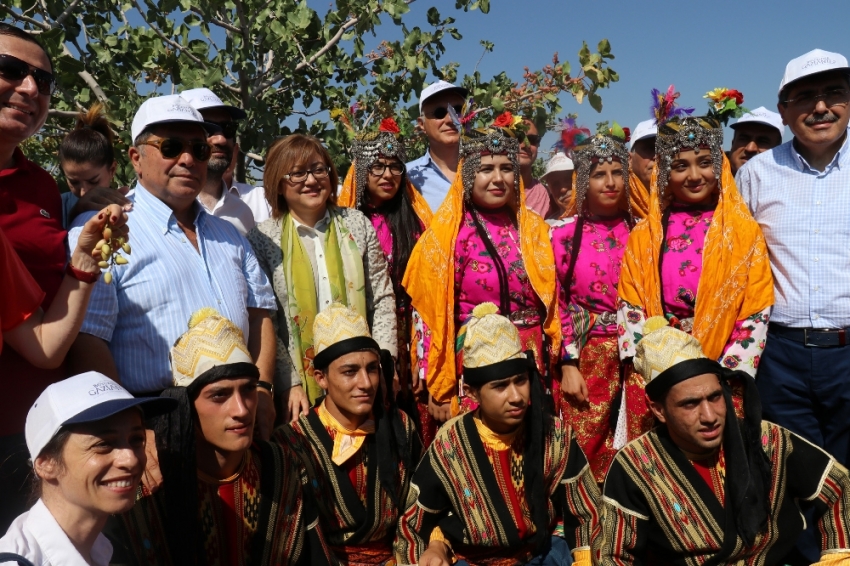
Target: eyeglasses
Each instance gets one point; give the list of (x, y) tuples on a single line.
[(439, 113), (533, 139), (171, 148), (832, 97), (13, 69), (318, 172), (378, 169), (228, 129)]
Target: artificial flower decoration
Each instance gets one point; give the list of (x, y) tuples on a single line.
[(571, 135), (504, 120), (389, 125), (664, 107), (616, 131), (725, 103)]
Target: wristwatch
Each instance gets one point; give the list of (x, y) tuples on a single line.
[(267, 386)]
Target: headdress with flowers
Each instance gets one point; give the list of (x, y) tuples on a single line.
[(607, 145), (500, 137), (368, 143), (677, 130)]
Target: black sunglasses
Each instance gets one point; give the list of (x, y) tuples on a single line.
[(533, 139), (440, 112), (13, 69), (171, 148), (228, 129)]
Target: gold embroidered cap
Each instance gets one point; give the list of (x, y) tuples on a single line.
[(338, 330), (210, 342), (662, 347), (492, 348)]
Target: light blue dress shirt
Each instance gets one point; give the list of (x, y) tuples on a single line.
[(429, 179), (805, 217), (148, 305)]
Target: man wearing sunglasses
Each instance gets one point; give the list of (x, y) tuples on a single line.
[(31, 219), (536, 196), (799, 193), (434, 172), (183, 259), (216, 196)]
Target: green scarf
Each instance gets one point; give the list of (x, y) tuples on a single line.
[(345, 272)]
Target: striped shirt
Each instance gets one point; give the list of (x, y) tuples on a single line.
[(805, 217), (148, 304)]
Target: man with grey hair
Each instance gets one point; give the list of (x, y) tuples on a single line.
[(215, 195)]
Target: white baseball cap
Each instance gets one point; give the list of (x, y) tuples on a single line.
[(164, 109), (559, 162), (813, 62), (646, 129), (84, 398), (761, 115), (204, 98), (438, 87)]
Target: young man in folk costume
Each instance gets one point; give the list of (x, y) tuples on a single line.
[(358, 448), (224, 500), (705, 487), (506, 483)]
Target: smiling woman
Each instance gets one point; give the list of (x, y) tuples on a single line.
[(86, 438)]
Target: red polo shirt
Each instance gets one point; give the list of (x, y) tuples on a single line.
[(31, 219)]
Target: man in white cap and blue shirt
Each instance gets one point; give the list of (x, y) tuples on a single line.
[(755, 132), (799, 193), (183, 259), (559, 182), (641, 164), (216, 197), (434, 172)]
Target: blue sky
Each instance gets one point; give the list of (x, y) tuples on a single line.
[(695, 45)]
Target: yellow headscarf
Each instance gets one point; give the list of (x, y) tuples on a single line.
[(348, 197), (429, 280), (735, 282)]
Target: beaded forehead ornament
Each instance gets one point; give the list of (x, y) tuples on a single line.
[(493, 141), (601, 148)]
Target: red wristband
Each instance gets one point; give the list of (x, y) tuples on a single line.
[(81, 275)]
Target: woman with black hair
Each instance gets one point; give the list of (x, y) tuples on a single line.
[(378, 186), (87, 158)]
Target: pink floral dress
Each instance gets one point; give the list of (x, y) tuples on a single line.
[(681, 257)]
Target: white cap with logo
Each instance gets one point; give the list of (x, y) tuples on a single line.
[(646, 129), (84, 398), (438, 87), (813, 62), (203, 98), (559, 162), (761, 115), (164, 109)]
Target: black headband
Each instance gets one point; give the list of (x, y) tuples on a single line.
[(477, 377), (324, 358), (224, 371), (680, 372)]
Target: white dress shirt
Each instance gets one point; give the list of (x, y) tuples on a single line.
[(255, 198), (313, 240), (37, 536), (229, 207)]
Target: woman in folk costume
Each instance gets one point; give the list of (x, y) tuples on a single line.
[(315, 254), (225, 499), (377, 185), (699, 259), (483, 245), (589, 250)]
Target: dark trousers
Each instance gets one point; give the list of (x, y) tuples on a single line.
[(807, 390), (15, 479)]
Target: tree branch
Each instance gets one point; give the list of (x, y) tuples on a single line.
[(43, 26), (53, 113), (64, 15), (167, 39), (216, 21), (88, 78)]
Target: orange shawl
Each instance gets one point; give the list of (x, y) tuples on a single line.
[(735, 282), (348, 197), (639, 196), (430, 280)]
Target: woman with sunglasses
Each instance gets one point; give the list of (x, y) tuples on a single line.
[(483, 245), (316, 254), (589, 250), (377, 185)]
